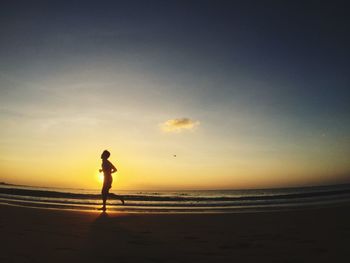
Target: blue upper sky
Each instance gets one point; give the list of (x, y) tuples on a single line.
[(293, 55)]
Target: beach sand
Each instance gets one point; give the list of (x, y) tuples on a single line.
[(43, 235)]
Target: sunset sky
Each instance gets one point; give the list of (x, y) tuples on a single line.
[(184, 94)]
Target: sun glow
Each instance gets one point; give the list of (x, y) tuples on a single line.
[(100, 177)]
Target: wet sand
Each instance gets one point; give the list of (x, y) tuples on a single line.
[(42, 235)]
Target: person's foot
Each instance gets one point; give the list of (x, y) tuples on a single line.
[(103, 208)]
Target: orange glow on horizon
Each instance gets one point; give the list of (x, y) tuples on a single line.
[(149, 159)]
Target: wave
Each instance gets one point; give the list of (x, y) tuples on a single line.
[(180, 197)]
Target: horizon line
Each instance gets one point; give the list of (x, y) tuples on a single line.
[(169, 190)]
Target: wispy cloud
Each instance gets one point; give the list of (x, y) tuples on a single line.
[(179, 125)]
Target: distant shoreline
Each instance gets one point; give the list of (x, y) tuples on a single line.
[(223, 201)]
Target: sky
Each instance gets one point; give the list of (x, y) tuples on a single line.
[(184, 94)]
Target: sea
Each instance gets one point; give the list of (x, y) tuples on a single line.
[(194, 201)]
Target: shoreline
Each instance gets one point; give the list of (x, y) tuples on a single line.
[(176, 210), (41, 235)]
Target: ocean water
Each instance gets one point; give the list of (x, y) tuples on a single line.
[(198, 201)]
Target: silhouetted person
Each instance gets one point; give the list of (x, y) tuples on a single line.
[(107, 168)]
